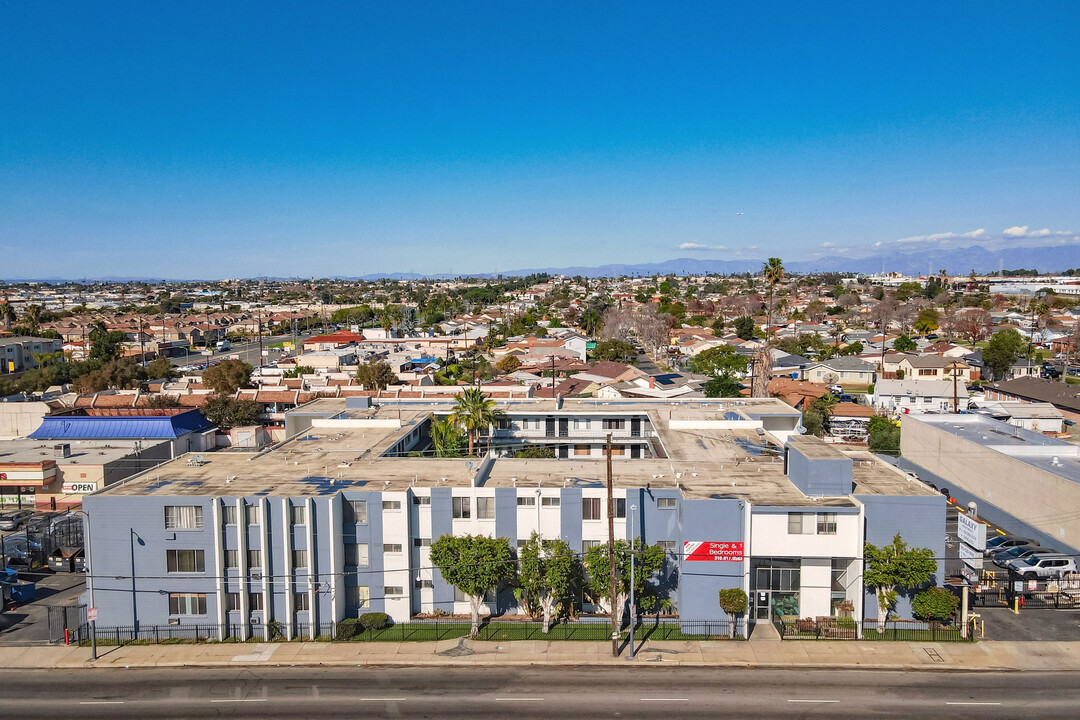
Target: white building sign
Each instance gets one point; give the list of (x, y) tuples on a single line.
[(971, 531)]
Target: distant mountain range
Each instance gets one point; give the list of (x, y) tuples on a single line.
[(959, 261)]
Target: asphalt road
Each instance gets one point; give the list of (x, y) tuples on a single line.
[(248, 351), (533, 692)]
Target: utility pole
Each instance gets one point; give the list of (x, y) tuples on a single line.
[(612, 585), (553, 376), (955, 397), (260, 338)]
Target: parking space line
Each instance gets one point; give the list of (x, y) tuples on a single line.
[(101, 702), (972, 703), (813, 701), (241, 700)]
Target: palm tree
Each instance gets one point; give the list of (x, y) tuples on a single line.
[(7, 314), (33, 317), (773, 271), (446, 437), (473, 412)]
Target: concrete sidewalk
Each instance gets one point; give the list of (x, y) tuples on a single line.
[(988, 655)]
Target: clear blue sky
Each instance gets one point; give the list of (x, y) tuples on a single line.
[(207, 139)]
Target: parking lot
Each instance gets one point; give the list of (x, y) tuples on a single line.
[(28, 624)]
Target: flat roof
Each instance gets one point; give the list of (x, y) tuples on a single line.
[(83, 452), (1046, 453), (712, 453)]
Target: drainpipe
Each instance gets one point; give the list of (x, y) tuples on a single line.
[(313, 561)]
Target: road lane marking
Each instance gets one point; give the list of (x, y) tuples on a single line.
[(972, 703), (241, 700), (101, 702), (520, 699), (383, 699), (813, 701), (665, 699)]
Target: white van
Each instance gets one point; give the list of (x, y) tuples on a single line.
[(223, 345)]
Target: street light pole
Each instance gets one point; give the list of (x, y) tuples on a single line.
[(633, 606)]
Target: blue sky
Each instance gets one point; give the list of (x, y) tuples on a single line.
[(208, 140)]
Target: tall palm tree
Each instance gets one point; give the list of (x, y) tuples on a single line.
[(446, 437), (773, 271), (473, 412), (7, 314)]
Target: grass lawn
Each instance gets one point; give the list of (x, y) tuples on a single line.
[(855, 389)]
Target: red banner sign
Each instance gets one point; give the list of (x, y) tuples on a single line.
[(709, 550)]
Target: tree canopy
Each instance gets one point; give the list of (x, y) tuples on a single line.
[(895, 567), (475, 565), (649, 560), (375, 374), (228, 376), (549, 575), (1005, 348), (229, 412), (744, 327)]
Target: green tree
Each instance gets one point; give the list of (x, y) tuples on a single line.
[(733, 601), (160, 401), (617, 350), (508, 364), (592, 322), (816, 414), (375, 374), (550, 573), (105, 345), (895, 567), (936, 605), (535, 452), (649, 560), (1004, 349), (447, 438), (723, 385), (904, 344), (474, 412), (298, 371), (718, 326), (228, 376), (718, 360), (884, 435), (744, 327), (161, 368), (927, 321), (475, 565), (228, 412)]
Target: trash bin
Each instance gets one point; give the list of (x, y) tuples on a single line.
[(63, 559)]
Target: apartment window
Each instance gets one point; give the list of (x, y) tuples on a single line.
[(590, 508), (356, 554), (617, 450), (299, 559), (620, 507), (356, 511), (391, 505), (587, 545), (232, 559), (392, 549), (423, 584), (522, 543), (230, 514), (251, 514), (503, 423), (550, 502), (485, 508), (185, 561), (613, 424), (839, 575), (299, 515), (187, 603), (421, 500), (665, 503), (421, 542), (393, 591), (826, 523), (526, 501), (300, 601), (232, 601), (462, 508), (581, 423), (183, 517), (255, 601), (799, 524), (582, 450), (254, 558), (357, 597), (667, 545)]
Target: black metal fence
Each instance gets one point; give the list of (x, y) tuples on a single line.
[(833, 628), (31, 548), (412, 631), (1056, 594)]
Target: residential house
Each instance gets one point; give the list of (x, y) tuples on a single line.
[(919, 396), (840, 370), (934, 367)]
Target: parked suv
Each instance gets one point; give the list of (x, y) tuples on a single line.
[(14, 519), (1043, 566), (1020, 552)]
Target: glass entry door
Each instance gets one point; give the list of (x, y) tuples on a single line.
[(776, 587)]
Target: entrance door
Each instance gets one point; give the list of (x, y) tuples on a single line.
[(549, 427), (762, 603), (564, 427)]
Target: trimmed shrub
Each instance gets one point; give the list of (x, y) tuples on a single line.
[(847, 623), (374, 620), (348, 629)]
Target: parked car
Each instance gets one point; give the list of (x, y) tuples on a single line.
[(1003, 542), (17, 549), (15, 519), (844, 397), (835, 389), (1043, 566), (1020, 552)]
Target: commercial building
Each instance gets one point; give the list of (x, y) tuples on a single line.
[(1024, 474), (339, 519)]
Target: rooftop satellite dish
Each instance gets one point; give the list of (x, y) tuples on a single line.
[(469, 465), (199, 459)]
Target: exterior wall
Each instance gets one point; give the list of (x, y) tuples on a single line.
[(701, 580), (920, 520), (830, 477), (19, 419), (1023, 490)]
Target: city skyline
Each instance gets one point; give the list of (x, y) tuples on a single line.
[(242, 141)]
